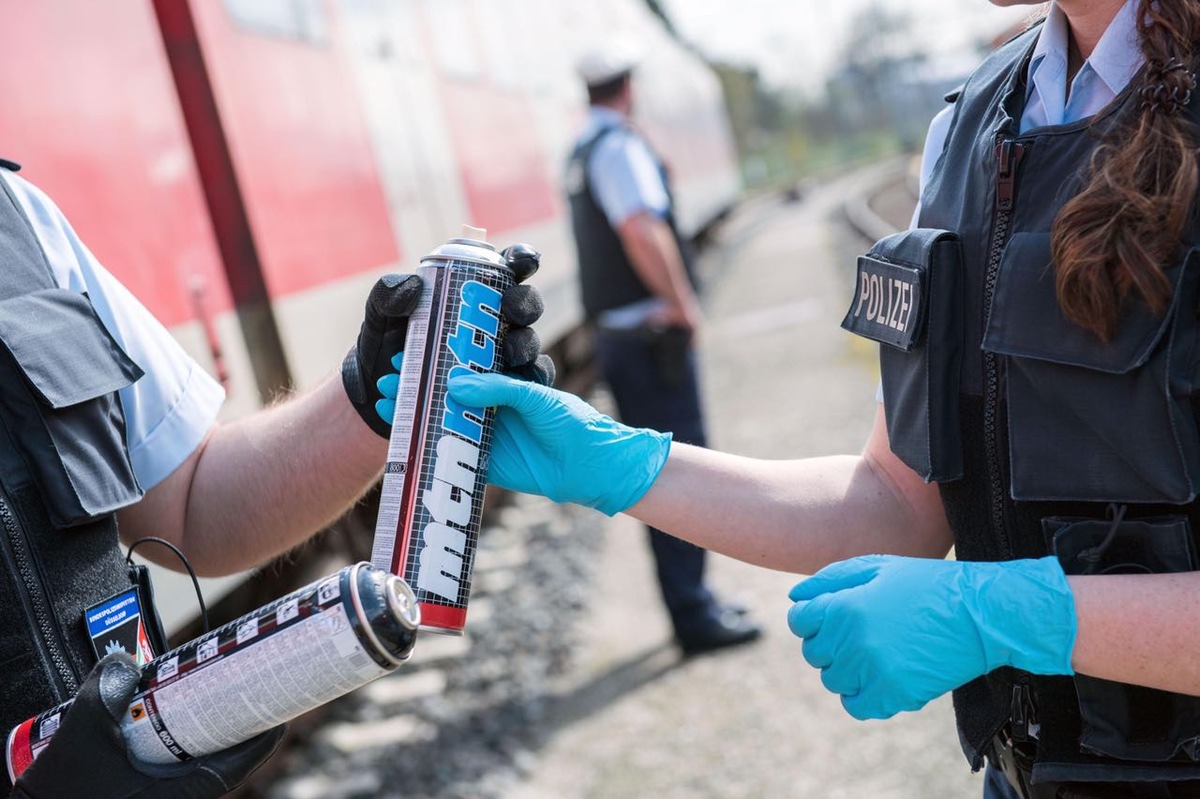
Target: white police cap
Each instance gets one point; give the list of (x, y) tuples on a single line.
[(608, 61)]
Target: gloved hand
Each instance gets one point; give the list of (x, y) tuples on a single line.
[(87, 758), (371, 368), (552, 443), (891, 633), (391, 302)]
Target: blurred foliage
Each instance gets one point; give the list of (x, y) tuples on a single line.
[(877, 102), (783, 139)]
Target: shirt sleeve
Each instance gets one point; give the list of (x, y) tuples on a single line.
[(935, 143), (625, 178), (170, 410)]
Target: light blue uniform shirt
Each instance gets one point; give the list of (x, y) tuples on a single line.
[(622, 170), (625, 180), (1104, 75), (1107, 71), (172, 407)]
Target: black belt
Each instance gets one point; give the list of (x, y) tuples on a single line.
[(639, 333), (1015, 761)]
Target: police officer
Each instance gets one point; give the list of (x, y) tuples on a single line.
[(638, 291), (106, 423), (1038, 415)]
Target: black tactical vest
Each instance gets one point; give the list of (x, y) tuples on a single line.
[(1057, 443), (607, 279), (64, 470)]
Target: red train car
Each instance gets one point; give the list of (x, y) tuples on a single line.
[(249, 167)]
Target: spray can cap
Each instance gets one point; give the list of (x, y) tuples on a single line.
[(402, 602), (470, 246)]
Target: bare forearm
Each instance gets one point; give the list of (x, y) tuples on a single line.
[(655, 256), (1139, 628), (263, 484), (794, 516)]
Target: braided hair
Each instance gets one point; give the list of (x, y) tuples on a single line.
[(1112, 239)]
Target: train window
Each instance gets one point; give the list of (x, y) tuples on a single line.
[(303, 20)]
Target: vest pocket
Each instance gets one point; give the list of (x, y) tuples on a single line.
[(908, 297), (1124, 721), (1091, 421), (64, 414)]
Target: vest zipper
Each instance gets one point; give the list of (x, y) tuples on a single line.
[(45, 637), (1008, 158)]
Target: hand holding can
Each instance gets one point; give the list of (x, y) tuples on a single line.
[(431, 506), (256, 672)]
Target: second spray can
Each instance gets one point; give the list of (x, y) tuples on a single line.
[(432, 496), (256, 672)]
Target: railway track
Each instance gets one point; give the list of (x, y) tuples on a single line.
[(886, 207)]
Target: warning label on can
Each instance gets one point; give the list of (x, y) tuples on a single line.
[(264, 681)]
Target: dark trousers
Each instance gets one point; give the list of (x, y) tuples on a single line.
[(654, 380)]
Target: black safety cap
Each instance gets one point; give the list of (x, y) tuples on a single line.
[(522, 259)]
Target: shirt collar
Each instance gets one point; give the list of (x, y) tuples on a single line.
[(1117, 57), (603, 116), (1115, 60)]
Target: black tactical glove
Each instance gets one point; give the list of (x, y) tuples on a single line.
[(391, 302), (87, 758), (521, 306)]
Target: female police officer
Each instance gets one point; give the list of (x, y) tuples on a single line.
[(1038, 349)]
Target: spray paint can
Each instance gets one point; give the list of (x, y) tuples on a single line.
[(431, 504), (258, 671)]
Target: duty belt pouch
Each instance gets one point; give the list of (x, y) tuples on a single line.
[(1118, 720), (1090, 420), (908, 297), (670, 347)]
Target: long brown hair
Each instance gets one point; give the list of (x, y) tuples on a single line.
[(1114, 237)]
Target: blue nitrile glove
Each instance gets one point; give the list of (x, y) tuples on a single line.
[(552, 443), (891, 633), (389, 387), (540, 370)]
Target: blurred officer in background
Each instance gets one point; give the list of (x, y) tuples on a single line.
[(106, 422), (639, 293)]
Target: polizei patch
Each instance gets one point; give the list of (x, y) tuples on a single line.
[(888, 303)]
